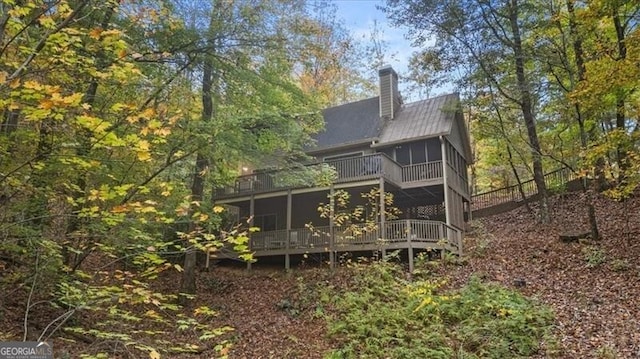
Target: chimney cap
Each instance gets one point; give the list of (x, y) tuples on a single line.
[(386, 69)]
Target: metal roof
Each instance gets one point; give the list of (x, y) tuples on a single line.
[(421, 119), (359, 122)]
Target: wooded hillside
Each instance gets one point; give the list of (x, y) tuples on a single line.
[(118, 120)]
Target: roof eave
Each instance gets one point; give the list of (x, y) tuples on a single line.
[(405, 140)]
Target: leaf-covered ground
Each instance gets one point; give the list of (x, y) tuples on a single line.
[(593, 287)]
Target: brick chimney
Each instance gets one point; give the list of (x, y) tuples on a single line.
[(390, 100)]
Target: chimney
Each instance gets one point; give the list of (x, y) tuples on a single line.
[(389, 96)]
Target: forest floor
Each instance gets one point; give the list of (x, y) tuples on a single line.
[(593, 287)]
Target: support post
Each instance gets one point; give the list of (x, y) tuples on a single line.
[(445, 180), (252, 208), (409, 247), (332, 203), (287, 256), (383, 210)]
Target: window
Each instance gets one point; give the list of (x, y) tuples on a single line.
[(418, 153), (434, 149), (403, 155)]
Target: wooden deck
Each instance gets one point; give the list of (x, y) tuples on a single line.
[(398, 234), (348, 170)]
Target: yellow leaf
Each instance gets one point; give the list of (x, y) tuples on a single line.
[(143, 145), (95, 33), (148, 113), (148, 209), (143, 150), (73, 99), (120, 209), (3, 76), (153, 354), (32, 85), (144, 156), (46, 104), (218, 209), (163, 131)]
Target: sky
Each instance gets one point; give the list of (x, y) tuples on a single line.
[(359, 17)]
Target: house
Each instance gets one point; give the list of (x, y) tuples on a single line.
[(417, 151)]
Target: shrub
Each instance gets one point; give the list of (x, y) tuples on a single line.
[(385, 316), (620, 265), (594, 256)]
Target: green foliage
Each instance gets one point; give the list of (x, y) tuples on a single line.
[(594, 256), (100, 124), (606, 352), (383, 315), (620, 265), (318, 175)]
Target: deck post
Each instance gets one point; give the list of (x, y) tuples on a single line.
[(445, 180), (409, 247), (442, 229), (332, 259), (287, 258), (383, 232), (252, 208)]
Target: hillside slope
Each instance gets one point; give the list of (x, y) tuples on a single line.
[(594, 287)]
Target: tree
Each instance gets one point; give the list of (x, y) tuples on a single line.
[(242, 51), (328, 61), (475, 36), (101, 131)]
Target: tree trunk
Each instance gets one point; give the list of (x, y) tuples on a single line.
[(526, 106), (584, 135), (84, 139), (511, 164), (197, 186), (620, 102)]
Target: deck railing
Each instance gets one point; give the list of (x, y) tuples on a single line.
[(512, 193), (422, 171), (343, 170), (318, 239)]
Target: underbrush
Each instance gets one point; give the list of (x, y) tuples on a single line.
[(383, 315)]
